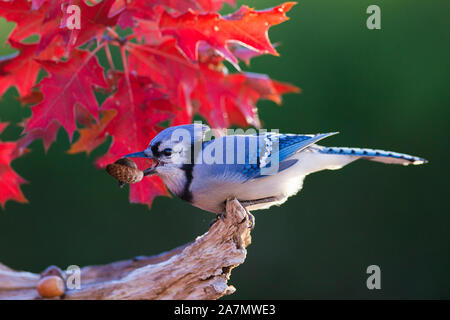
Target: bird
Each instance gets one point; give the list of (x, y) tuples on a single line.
[(259, 170)]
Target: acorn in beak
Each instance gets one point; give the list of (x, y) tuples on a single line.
[(145, 154)]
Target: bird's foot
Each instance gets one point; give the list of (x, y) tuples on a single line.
[(218, 216), (251, 218), (244, 204)]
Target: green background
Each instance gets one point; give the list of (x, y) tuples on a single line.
[(385, 88)]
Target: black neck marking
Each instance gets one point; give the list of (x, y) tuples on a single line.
[(188, 169), (155, 150), (186, 194)]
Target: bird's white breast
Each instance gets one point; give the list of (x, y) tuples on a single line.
[(174, 179)]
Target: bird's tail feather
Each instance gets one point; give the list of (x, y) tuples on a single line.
[(375, 155)]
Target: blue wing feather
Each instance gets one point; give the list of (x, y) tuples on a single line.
[(278, 147), (251, 153)]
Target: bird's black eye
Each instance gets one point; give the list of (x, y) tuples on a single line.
[(167, 152)]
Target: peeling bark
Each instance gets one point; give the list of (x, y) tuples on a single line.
[(197, 270)]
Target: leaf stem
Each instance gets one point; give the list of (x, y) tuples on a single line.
[(113, 33), (126, 70), (162, 54), (109, 57)]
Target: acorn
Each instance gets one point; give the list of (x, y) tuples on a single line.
[(51, 286), (125, 170)]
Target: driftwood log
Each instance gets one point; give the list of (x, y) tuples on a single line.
[(196, 270)]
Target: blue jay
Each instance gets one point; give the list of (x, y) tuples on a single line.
[(259, 170)]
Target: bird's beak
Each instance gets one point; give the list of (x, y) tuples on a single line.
[(138, 155), (148, 171)]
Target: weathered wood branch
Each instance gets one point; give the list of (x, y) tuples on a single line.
[(196, 270)]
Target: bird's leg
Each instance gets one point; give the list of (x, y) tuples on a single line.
[(213, 221), (222, 215), (251, 218), (249, 203), (245, 204)]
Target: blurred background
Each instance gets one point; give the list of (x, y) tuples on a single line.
[(385, 89)]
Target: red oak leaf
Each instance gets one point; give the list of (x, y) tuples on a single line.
[(47, 135), (94, 134), (52, 52), (93, 22), (175, 76), (183, 6), (242, 52), (128, 10), (130, 117), (247, 26), (253, 87), (145, 191), (231, 98), (21, 63), (149, 9), (9, 180), (223, 99), (33, 98), (28, 21), (173, 67), (139, 110), (69, 83), (148, 32), (36, 4)]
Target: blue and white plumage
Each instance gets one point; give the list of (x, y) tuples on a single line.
[(259, 170)]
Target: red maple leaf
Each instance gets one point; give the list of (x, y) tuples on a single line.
[(69, 83), (9, 179)]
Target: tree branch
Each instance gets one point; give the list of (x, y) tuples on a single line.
[(196, 270)]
